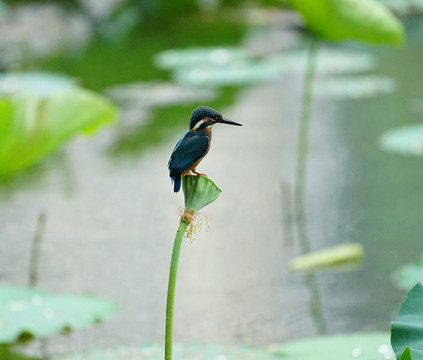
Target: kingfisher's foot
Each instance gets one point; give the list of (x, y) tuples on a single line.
[(198, 174)]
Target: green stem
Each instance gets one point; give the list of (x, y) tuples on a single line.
[(171, 287), (304, 130), (302, 153), (35, 250)]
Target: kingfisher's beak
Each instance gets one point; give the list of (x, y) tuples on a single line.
[(229, 122)]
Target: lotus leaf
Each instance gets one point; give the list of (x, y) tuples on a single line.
[(362, 20), (355, 87), (248, 71), (32, 127), (29, 312), (331, 61), (185, 352), (407, 329), (219, 56), (363, 346)]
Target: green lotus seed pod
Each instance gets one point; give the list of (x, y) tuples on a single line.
[(199, 191)]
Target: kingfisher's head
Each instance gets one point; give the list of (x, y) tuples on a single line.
[(204, 116)]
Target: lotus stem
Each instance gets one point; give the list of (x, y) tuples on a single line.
[(171, 287), (299, 203), (304, 130), (35, 250)]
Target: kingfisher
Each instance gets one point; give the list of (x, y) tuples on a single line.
[(195, 144)]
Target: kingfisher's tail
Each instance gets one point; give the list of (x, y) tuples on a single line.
[(176, 180)]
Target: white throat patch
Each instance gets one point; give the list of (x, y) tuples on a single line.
[(197, 125)]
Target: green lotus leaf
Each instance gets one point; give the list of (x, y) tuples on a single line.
[(251, 71), (29, 312), (362, 20), (32, 127), (407, 329), (175, 58), (247, 72), (180, 352), (404, 140), (363, 346), (354, 87), (199, 191), (331, 61)]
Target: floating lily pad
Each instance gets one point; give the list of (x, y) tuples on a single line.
[(247, 71), (218, 56), (362, 20), (404, 140), (334, 256), (28, 312), (407, 329), (180, 352), (233, 74), (354, 87), (37, 83), (409, 275), (158, 94), (330, 61), (31, 127), (363, 346)]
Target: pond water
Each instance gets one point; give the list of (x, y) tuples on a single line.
[(111, 220), (374, 197)]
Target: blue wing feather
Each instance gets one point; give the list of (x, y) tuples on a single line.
[(192, 146)]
